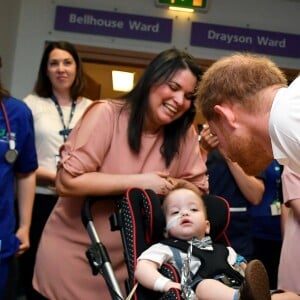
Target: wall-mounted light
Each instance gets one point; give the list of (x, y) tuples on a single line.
[(183, 9), (122, 81), (184, 5)]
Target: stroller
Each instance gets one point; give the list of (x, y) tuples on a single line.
[(141, 224)]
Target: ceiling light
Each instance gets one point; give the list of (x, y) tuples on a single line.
[(181, 9), (122, 81)]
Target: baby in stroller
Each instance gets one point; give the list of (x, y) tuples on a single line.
[(227, 276)]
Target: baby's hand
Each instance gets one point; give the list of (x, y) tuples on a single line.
[(172, 285)]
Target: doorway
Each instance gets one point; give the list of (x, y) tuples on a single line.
[(98, 65), (99, 62)]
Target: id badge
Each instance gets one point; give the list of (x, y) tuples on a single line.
[(275, 208)]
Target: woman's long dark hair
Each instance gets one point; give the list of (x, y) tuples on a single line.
[(160, 70), (43, 86), (3, 92)]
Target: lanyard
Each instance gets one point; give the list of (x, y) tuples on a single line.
[(11, 154), (11, 140), (278, 170), (66, 130)]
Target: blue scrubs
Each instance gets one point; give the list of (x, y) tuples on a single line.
[(222, 183), (21, 124), (265, 225)]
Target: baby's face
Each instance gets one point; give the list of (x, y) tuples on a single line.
[(185, 215)]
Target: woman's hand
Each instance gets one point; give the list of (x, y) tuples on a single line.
[(208, 141), (159, 182), (182, 183)]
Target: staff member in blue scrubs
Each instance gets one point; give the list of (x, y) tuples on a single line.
[(18, 162), (266, 223), (228, 180)]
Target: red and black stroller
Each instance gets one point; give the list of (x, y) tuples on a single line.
[(141, 224)]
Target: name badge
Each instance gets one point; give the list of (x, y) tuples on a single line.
[(275, 208)]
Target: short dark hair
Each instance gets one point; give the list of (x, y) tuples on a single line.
[(43, 86)]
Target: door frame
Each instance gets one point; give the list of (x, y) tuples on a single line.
[(141, 59)]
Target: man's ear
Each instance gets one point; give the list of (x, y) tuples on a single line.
[(226, 113)]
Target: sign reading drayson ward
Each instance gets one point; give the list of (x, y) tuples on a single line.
[(113, 24), (242, 39)]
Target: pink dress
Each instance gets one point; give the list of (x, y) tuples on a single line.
[(62, 271), (289, 266)]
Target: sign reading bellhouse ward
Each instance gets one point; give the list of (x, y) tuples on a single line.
[(106, 23), (194, 4)]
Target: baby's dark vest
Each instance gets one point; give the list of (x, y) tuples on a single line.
[(213, 263)]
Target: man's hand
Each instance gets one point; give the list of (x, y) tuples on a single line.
[(208, 141)]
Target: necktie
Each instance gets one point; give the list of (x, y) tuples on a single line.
[(205, 243)]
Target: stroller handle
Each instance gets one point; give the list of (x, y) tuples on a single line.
[(97, 255), (86, 215)]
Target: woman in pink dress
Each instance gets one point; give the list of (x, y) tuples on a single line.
[(289, 266), (146, 140)]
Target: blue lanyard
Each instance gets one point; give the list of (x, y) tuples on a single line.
[(66, 129)]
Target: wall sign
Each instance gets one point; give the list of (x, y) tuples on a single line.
[(113, 24), (242, 39)]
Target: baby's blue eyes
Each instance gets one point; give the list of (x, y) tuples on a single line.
[(191, 209)]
